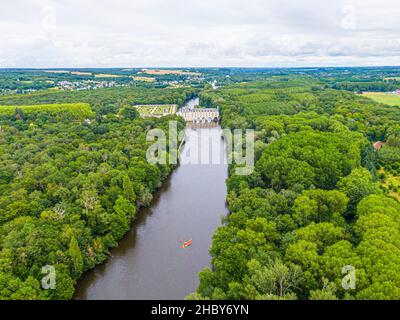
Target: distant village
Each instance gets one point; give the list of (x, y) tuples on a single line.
[(4, 92), (88, 85)]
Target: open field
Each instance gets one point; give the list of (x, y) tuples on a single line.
[(78, 110), (145, 79), (156, 110), (167, 72), (78, 73), (57, 71), (106, 75), (81, 73), (383, 97)]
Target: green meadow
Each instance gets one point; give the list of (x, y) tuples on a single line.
[(383, 97)]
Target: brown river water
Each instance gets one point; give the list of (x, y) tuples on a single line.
[(149, 263)]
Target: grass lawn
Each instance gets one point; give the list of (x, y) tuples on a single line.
[(383, 97), (77, 110)]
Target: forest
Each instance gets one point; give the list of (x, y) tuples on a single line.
[(322, 199), (72, 178), (316, 204)]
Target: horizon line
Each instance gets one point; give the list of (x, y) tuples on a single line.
[(204, 67)]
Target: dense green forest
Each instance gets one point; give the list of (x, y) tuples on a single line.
[(73, 173), (315, 202), (102, 101), (71, 185)]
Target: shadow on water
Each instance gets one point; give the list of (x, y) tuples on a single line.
[(149, 263)]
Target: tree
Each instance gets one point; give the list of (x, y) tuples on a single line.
[(127, 186), (64, 285), (357, 185), (76, 257), (118, 222), (326, 293), (130, 112), (319, 206), (274, 279), (19, 114), (67, 185), (379, 204), (281, 173), (322, 234)]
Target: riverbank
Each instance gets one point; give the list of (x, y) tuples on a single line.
[(149, 263)]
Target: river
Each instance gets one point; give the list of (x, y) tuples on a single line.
[(149, 263)]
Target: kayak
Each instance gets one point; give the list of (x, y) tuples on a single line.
[(187, 244)]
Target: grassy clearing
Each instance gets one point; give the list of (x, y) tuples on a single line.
[(383, 97), (145, 79), (105, 75), (77, 110), (167, 72), (78, 73), (57, 71)]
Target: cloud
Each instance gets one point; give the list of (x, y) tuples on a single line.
[(123, 33)]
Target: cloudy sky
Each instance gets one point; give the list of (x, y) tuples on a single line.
[(183, 33)]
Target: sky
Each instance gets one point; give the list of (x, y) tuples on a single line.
[(198, 33)]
